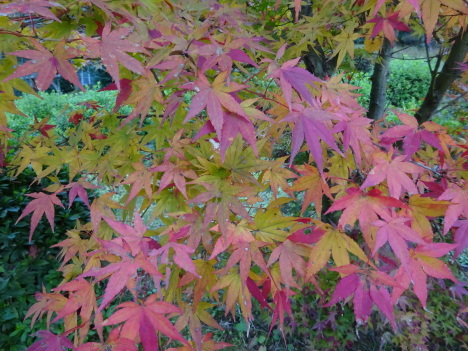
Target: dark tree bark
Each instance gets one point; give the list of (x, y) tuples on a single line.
[(378, 94), (318, 64), (441, 81)]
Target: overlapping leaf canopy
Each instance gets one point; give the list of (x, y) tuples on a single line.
[(200, 222)]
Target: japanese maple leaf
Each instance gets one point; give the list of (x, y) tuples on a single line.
[(396, 233), (193, 318), (459, 206), (289, 256), (421, 209), (181, 256), (333, 243), (257, 293), (47, 64), (244, 253), (461, 236), (43, 204), (225, 199), (133, 236), (411, 134), (394, 171), (366, 207), (120, 272), (74, 245), (311, 124), (214, 96), (79, 189), (51, 342), (143, 321), (233, 124), (237, 291), (41, 7), (205, 279), (113, 342), (282, 304), (143, 97), (367, 287), (296, 78), (81, 297), (207, 344), (346, 39), (223, 54), (423, 262), (112, 49), (141, 178), (233, 235), (387, 25), (313, 184), (355, 134), (124, 92), (174, 174)]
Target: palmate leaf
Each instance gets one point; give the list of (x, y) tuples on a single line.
[(41, 7), (332, 243), (311, 124), (423, 262), (296, 78), (47, 64), (394, 172), (112, 49), (51, 342), (122, 272), (42, 204), (367, 287), (214, 96), (142, 321), (367, 207)]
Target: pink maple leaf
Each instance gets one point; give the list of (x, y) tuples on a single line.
[(43, 204)]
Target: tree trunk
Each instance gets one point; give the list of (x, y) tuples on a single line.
[(441, 81), (378, 94)]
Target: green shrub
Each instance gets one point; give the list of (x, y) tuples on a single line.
[(27, 266), (408, 82), (58, 107)]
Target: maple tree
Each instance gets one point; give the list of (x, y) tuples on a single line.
[(191, 211)]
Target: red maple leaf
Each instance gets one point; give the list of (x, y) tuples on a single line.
[(423, 262), (124, 92), (296, 78), (459, 198), (81, 297), (366, 207), (394, 171), (396, 232), (233, 124), (47, 64), (411, 134), (122, 272), (174, 174), (114, 343), (112, 49), (43, 204), (51, 342), (367, 287), (41, 7), (214, 96), (282, 304), (288, 254), (387, 25), (311, 124), (355, 134), (142, 322)]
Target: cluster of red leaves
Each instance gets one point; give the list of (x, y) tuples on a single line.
[(202, 183)]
